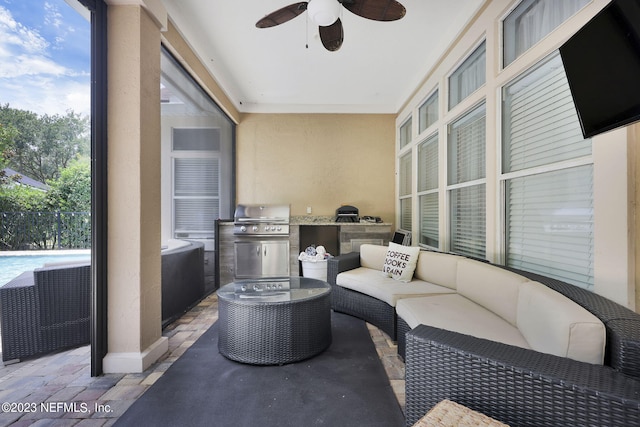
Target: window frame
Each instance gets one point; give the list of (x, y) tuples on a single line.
[(450, 188), (504, 177)]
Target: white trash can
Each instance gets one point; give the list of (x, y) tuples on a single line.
[(315, 269)]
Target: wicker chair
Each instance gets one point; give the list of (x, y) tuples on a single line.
[(45, 310)]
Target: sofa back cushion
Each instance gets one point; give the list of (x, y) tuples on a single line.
[(400, 262), (372, 256), (492, 287), (438, 268), (552, 323)]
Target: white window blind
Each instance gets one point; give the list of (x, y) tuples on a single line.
[(428, 112), (405, 192), (466, 154), (196, 216), (196, 200), (405, 214), (466, 147), (550, 224), (429, 231), (197, 177), (405, 133), (405, 175), (549, 205), (428, 164), (468, 77), (468, 221), (428, 191), (540, 123), (531, 20)]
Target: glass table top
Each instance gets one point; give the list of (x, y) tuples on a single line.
[(274, 289)]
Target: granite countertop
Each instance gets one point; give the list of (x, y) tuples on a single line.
[(315, 220), (326, 220)]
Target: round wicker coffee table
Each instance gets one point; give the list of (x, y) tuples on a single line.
[(274, 321)]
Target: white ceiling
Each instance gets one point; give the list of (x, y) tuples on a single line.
[(270, 70)]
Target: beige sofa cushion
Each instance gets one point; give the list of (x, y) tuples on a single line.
[(373, 283), (552, 323), (492, 287), (436, 267), (400, 262), (372, 256), (456, 313)]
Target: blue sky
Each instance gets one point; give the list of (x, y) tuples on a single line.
[(44, 57)]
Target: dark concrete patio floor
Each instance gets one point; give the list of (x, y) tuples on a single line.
[(58, 390)]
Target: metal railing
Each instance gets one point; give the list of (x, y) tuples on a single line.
[(45, 230)]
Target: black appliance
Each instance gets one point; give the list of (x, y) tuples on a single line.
[(347, 213), (602, 62)]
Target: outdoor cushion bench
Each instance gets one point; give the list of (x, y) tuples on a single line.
[(533, 350)]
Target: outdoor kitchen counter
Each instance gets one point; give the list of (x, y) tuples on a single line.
[(330, 220), (351, 235)]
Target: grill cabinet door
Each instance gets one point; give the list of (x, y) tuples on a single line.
[(275, 258), (248, 260)]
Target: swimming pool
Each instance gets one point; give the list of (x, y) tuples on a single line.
[(14, 265)]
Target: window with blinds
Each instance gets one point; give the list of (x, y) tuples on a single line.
[(198, 141), (196, 182), (548, 178), (405, 133), (531, 20), (550, 224), (428, 191), (540, 123), (405, 192), (466, 152), (468, 77), (428, 112)]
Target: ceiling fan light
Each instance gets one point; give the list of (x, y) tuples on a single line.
[(323, 12)]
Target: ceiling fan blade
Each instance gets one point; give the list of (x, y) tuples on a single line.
[(378, 10), (332, 36), (283, 15)]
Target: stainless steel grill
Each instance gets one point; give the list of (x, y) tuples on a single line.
[(261, 241), (261, 220)]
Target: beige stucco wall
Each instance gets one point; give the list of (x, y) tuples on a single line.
[(134, 278), (318, 160)]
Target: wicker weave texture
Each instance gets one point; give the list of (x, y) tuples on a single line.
[(365, 307), (357, 304), (517, 386), (264, 333), (46, 310), (451, 414)]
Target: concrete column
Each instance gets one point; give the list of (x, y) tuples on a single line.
[(134, 267)]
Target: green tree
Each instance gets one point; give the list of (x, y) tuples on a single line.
[(44, 145), (71, 192), (7, 136), (20, 198)]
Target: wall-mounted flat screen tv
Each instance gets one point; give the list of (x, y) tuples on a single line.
[(602, 62)]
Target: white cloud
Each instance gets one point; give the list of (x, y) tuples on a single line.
[(30, 78), (52, 15), (16, 34)]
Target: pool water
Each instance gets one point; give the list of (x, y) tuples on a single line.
[(14, 265)]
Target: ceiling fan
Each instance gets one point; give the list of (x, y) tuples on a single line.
[(325, 13)]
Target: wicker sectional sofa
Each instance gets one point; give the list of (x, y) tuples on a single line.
[(553, 354), (45, 310)]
